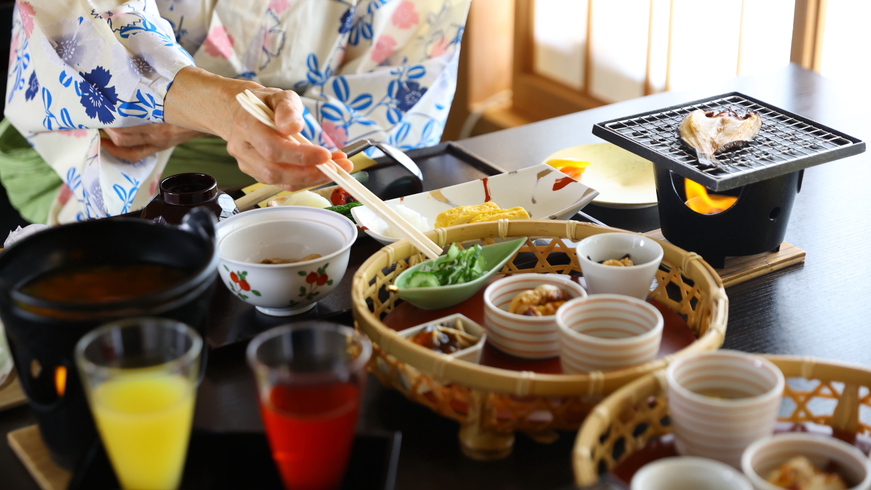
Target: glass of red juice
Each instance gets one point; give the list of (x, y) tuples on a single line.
[(310, 380)]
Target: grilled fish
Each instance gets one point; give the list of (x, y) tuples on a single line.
[(712, 133)]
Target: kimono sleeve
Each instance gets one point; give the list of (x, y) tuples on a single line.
[(76, 67)]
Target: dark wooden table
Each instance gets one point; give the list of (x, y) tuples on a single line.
[(820, 308)]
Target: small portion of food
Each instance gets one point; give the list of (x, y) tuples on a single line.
[(303, 198), (413, 217), (290, 261), (463, 214), (516, 212), (477, 213), (573, 172), (446, 339), (340, 196), (455, 267), (624, 261), (712, 133), (345, 209), (572, 168), (541, 301), (800, 474)]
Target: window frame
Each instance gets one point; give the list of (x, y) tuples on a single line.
[(537, 97)]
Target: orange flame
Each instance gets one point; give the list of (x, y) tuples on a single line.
[(699, 201), (60, 380)]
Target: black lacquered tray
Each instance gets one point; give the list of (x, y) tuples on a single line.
[(235, 460), (786, 143)]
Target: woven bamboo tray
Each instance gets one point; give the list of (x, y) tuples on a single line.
[(491, 403), (817, 391)]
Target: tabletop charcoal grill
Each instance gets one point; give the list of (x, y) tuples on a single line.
[(764, 175)]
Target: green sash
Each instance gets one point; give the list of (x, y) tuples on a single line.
[(31, 184)]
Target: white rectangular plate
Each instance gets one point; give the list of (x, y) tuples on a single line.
[(545, 193)]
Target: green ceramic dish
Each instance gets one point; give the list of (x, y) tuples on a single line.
[(435, 298)]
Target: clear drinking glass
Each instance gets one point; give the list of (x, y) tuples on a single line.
[(310, 379), (140, 376)]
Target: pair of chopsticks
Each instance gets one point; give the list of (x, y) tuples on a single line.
[(264, 114)]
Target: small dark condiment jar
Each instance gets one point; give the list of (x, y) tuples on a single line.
[(180, 193)]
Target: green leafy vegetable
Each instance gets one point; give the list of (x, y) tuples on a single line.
[(454, 267), (345, 209)]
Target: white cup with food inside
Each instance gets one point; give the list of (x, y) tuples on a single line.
[(619, 263), (520, 313), (805, 460), (721, 402), (607, 332), (688, 473)]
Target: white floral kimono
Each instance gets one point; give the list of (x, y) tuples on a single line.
[(364, 68)]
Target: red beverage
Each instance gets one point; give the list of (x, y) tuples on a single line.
[(310, 431)]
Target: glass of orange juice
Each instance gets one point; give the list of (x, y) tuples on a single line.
[(140, 376), (310, 380)]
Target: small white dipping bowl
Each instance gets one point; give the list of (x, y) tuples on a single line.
[(530, 337), (633, 280), (721, 402), (285, 232), (606, 332), (686, 473), (767, 454)]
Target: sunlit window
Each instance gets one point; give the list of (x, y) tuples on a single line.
[(636, 47), (846, 50)]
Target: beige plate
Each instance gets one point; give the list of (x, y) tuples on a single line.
[(623, 179)]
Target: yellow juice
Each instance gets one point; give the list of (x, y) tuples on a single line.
[(145, 421)]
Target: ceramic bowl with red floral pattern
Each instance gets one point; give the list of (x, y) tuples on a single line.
[(283, 260)]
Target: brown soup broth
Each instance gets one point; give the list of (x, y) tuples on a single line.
[(103, 283)]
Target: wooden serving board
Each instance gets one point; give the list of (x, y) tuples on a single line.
[(741, 269), (28, 446)]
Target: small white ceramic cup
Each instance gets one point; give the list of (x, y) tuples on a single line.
[(767, 454), (687, 473), (606, 332), (529, 337), (633, 280), (722, 401)]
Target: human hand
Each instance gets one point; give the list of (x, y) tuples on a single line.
[(279, 156), (207, 102), (137, 142)]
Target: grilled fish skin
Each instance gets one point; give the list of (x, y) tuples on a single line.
[(712, 133)]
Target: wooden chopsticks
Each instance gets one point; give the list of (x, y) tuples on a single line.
[(257, 196), (264, 114)]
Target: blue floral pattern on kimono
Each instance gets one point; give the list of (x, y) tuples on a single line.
[(363, 68)]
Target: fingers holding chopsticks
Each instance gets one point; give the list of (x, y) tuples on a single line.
[(287, 109), (274, 157)]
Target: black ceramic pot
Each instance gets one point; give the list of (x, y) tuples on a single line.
[(42, 334)]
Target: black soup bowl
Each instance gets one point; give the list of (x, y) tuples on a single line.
[(44, 324)]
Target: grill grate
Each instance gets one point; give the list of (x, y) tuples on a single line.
[(786, 143)]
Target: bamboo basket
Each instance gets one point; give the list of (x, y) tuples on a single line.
[(817, 391), (491, 403)]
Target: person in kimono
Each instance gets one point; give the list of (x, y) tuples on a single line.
[(106, 97)]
